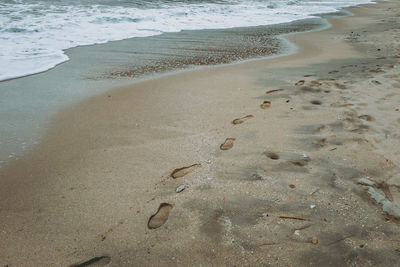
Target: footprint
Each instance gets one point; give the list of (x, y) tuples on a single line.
[(301, 82), (300, 163), (315, 83), (160, 217), (265, 105), (360, 129), (180, 172), (315, 102), (308, 89), (96, 261), (342, 105), (378, 70), (243, 119), (271, 155), (228, 144), (376, 82), (273, 91), (366, 117), (340, 86)]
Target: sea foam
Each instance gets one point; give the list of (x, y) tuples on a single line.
[(34, 33)]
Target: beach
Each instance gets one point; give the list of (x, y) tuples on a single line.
[(283, 161), (28, 104)]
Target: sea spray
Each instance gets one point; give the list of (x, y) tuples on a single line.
[(34, 33)]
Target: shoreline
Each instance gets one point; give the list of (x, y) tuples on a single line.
[(30, 103), (328, 119), (311, 17)]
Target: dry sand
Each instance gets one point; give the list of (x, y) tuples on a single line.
[(278, 188)]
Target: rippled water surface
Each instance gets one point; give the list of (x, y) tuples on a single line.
[(34, 33)]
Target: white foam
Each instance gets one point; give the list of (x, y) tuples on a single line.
[(33, 34)]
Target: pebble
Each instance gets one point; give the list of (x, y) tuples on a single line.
[(312, 206), (387, 206), (180, 188), (297, 232), (314, 240)]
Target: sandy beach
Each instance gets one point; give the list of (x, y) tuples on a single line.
[(28, 104), (287, 161)]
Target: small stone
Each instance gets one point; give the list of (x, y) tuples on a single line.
[(292, 186), (314, 240), (180, 188), (312, 206), (365, 181), (387, 206), (375, 195), (391, 209), (297, 232)]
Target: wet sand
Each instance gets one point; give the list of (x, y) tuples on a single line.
[(28, 104), (291, 161)]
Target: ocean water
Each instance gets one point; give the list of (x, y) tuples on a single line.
[(35, 33)]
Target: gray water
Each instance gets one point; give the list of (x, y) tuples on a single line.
[(35, 33), (35, 36)]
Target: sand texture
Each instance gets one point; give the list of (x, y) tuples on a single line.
[(290, 161)]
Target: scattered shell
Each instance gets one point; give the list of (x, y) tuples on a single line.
[(180, 188), (312, 206), (314, 190), (297, 232)]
